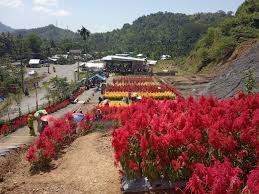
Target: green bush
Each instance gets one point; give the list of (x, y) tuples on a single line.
[(219, 42), (222, 48)]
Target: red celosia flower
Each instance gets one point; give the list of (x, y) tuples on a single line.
[(32, 154), (133, 166), (253, 181), (176, 165), (195, 185), (242, 154)]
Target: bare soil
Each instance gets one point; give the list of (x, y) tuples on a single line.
[(189, 85), (86, 166)]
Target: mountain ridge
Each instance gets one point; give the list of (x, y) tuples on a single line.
[(5, 28), (49, 32)]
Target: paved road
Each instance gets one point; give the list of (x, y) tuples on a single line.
[(61, 71), (29, 103), (21, 136)]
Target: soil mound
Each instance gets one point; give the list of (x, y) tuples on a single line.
[(231, 80)]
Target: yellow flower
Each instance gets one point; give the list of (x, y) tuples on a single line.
[(116, 104), (160, 95)]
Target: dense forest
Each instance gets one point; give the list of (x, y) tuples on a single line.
[(23, 45), (221, 40), (157, 34), (201, 39), (152, 35), (49, 32)]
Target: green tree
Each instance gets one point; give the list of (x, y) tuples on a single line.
[(58, 89), (33, 42), (218, 44), (84, 33)]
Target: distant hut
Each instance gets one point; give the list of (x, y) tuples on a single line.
[(34, 63)]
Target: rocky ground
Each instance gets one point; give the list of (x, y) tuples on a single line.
[(232, 80), (227, 80)]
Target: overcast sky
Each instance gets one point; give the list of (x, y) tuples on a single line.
[(98, 15)]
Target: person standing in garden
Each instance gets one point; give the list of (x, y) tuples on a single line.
[(98, 115), (30, 125), (100, 99)]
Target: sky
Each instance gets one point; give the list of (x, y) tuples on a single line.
[(98, 15)]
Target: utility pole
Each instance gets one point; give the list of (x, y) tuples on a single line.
[(21, 58), (36, 92), (78, 74), (22, 76)]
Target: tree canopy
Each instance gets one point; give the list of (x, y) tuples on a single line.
[(221, 40), (157, 34)]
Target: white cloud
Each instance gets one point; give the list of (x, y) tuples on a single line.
[(41, 9), (46, 7), (45, 2), (45, 10), (61, 13), (12, 3)]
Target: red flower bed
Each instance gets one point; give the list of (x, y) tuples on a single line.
[(22, 121), (4, 129), (51, 140), (13, 125), (57, 106), (172, 89), (211, 144), (78, 92), (132, 80)]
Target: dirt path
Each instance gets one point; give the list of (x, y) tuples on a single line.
[(85, 167)]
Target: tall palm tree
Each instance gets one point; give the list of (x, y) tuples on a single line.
[(84, 33)]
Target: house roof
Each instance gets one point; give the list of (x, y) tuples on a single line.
[(151, 62), (77, 52), (34, 61), (121, 58), (53, 59)]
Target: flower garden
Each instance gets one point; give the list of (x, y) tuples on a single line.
[(200, 145), (51, 141), (209, 145), (147, 87)]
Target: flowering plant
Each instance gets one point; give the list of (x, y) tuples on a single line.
[(143, 86), (170, 138), (51, 141)]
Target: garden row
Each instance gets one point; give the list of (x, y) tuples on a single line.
[(211, 145), (11, 126), (142, 86), (60, 133)]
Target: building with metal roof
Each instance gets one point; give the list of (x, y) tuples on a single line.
[(125, 65)]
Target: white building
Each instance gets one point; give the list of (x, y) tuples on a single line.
[(164, 57), (34, 63)]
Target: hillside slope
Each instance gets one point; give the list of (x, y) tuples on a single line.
[(5, 28), (218, 44), (156, 34), (49, 32), (231, 80)]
